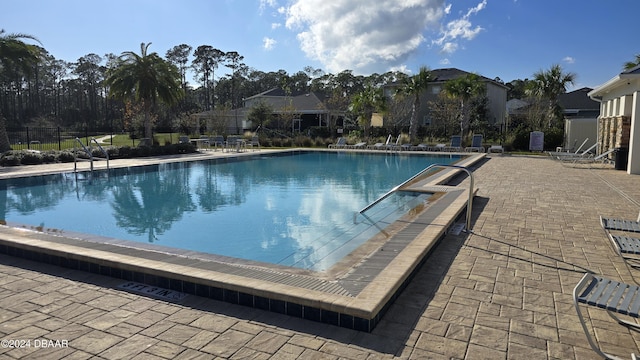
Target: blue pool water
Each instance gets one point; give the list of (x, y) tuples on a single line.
[(295, 210)]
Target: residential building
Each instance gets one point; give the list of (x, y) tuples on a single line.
[(619, 120), (496, 93)]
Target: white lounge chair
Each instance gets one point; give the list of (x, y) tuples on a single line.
[(421, 147), (380, 146), (341, 143), (602, 158), (495, 149), (567, 156), (360, 145)]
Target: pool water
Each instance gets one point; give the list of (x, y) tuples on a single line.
[(295, 210)]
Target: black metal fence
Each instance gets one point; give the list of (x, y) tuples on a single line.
[(47, 138)]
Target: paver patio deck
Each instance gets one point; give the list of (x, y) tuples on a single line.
[(501, 292)]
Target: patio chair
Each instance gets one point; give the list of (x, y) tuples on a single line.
[(341, 143), (456, 143), (568, 151), (395, 146), (567, 156), (476, 143), (620, 225), (380, 146), (421, 147), (255, 142), (602, 158), (439, 147), (610, 295), (203, 142), (495, 149), (360, 145), (216, 141)]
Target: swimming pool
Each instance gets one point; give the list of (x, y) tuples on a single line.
[(295, 210)]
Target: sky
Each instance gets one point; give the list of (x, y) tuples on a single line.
[(506, 39)]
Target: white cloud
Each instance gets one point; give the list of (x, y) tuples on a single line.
[(569, 60), (444, 61), (449, 48), (363, 36), (461, 28), (268, 43), (275, 26)]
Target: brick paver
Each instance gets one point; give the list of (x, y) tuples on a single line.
[(501, 292)]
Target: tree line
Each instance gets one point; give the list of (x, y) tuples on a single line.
[(37, 89)]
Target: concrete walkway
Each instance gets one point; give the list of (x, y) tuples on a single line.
[(501, 292)]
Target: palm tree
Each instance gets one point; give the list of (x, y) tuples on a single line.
[(15, 57), (414, 86), (365, 103), (547, 86), (145, 78), (464, 89), (631, 64)]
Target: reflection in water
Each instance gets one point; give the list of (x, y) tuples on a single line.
[(293, 210)]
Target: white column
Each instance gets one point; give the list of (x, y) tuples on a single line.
[(633, 165)]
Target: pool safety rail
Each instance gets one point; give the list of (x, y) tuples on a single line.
[(88, 151), (425, 170)]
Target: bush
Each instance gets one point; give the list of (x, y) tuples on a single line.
[(31, 158), (11, 158), (65, 156)]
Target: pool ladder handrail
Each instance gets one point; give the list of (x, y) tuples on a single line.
[(428, 168), (89, 152)]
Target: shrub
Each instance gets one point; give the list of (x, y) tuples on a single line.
[(65, 156), (49, 157), (31, 158), (10, 158)]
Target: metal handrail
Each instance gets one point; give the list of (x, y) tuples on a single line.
[(106, 154), (75, 158), (469, 203)]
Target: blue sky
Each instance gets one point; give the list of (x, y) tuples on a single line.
[(509, 39)]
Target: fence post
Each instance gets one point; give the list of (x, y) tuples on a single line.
[(28, 139), (59, 140)]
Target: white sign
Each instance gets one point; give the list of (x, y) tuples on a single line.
[(536, 141)]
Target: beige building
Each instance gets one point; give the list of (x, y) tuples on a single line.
[(619, 120)]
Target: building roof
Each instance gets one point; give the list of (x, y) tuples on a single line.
[(622, 79), (578, 100), (281, 101)]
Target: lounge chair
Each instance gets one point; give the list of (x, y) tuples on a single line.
[(341, 143), (360, 145), (560, 153), (567, 156), (620, 224), (610, 295), (395, 146), (439, 147), (495, 149), (602, 158), (380, 146), (421, 147), (476, 143), (456, 144)]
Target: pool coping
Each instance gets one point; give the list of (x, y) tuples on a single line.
[(323, 298)]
